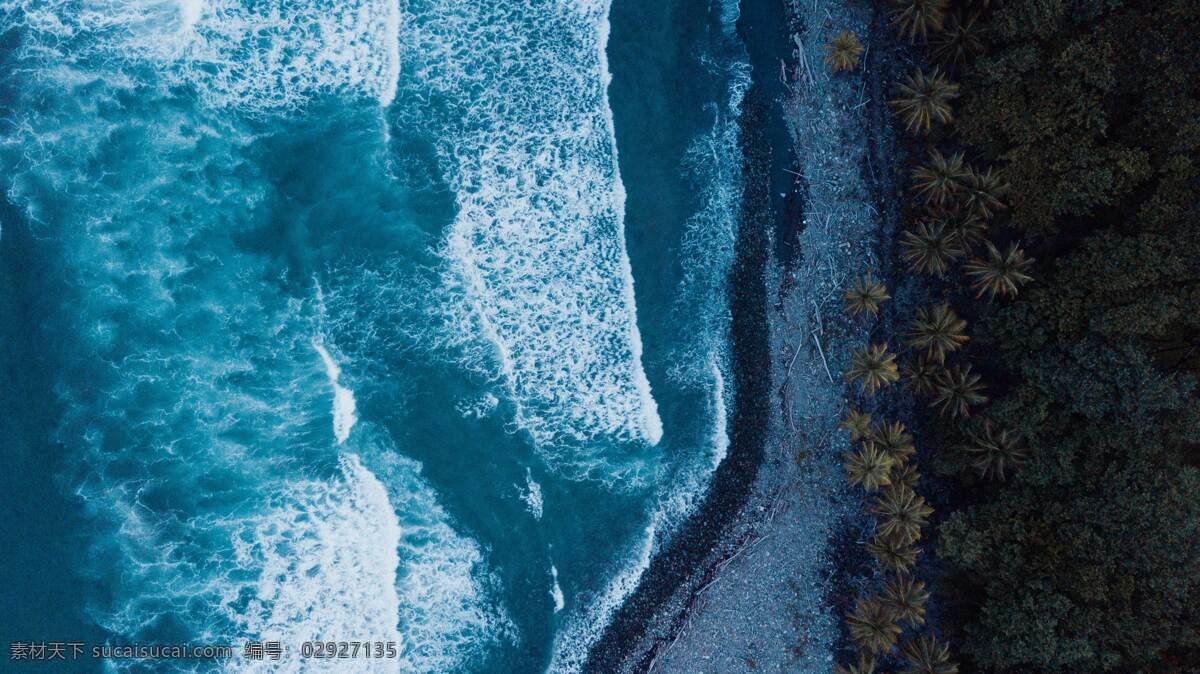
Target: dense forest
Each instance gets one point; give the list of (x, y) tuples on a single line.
[(1055, 194), (1088, 557)]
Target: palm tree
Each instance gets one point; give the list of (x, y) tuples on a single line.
[(956, 391), (873, 625), (905, 473), (865, 665), (921, 374), (957, 41), (893, 554), (844, 51), (907, 597), (931, 248), (938, 330), (917, 18), (870, 466), (865, 295), (893, 440), (925, 99), (926, 655), (996, 452), (981, 192), (968, 227), (1001, 273), (858, 423), (940, 178), (874, 366), (902, 513)]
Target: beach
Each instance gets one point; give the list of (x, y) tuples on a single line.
[(758, 577)]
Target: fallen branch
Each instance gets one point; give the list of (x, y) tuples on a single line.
[(823, 361)]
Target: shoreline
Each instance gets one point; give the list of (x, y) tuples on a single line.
[(756, 579), (652, 612), (656, 609)]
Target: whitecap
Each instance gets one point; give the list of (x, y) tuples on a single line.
[(190, 12), (326, 562), (535, 263), (556, 592), (720, 438), (478, 407), (532, 495), (344, 406), (448, 611), (259, 57), (571, 644)]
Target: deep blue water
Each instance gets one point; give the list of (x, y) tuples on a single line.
[(359, 319)]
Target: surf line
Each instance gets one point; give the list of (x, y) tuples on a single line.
[(556, 592), (650, 423), (344, 406)]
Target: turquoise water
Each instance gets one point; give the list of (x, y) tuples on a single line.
[(370, 320)]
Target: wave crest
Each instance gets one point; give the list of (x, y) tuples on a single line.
[(536, 267)]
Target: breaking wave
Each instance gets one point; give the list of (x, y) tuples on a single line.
[(209, 434), (325, 562), (261, 56), (535, 260)]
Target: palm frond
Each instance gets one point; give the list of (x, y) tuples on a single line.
[(996, 452), (916, 19), (905, 473), (858, 423), (958, 390), (999, 273), (982, 192), (957, 41), (892, 554), (894, 440), (924, 99), (939, 178), (870, 467), (921, 374), (873, 625), (902, 513), (930, 248), (937, 330), (925, 655), (865, 665), (907, 596), (874, 367), (865, 295), (843, 52)]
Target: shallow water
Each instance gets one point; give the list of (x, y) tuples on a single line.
[(369, 320)]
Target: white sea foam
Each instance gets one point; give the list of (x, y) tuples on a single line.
[(676, 503), (444, 600), (193, 427), (720, 441), (387, 92), (536, 265), (651, 422), (335, 561), (444, 587), (477, 407), (556, 592), (731, 11), (713, 165), (571, 644), (190, 12), (326, 562), (713, 162), (344, 406), (532, 495), (257, 56)]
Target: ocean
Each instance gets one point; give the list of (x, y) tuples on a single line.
[(376, 320)]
